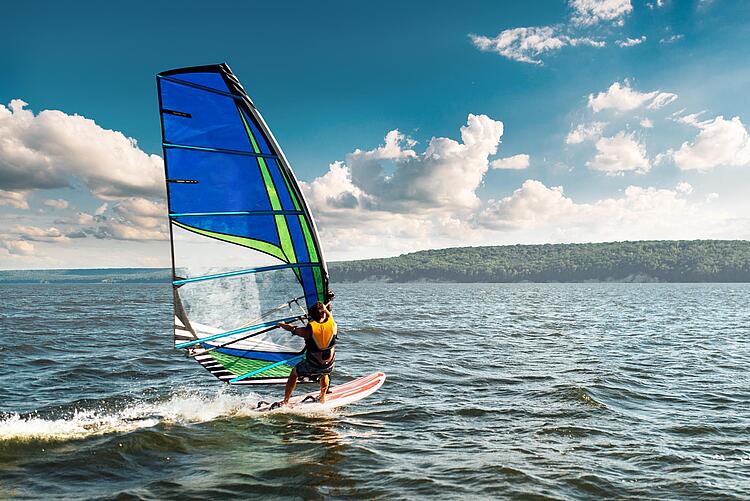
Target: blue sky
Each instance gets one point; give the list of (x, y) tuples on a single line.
[(334, 78)]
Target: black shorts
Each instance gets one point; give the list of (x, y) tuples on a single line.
[(310, 370)]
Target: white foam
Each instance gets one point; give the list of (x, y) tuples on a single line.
[(178, 408)]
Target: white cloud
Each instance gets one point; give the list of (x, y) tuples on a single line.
[(585, 132), (527, 44), (630, 42), (720, 142), (691, 119), (57, 203), (15, 199), (618, 154), (129, 219), (621, 97), (393, 199), (85, 218), (17, 247), (647, 123), (101, 209), (35, 234), (46, 150), (516, 162), (672, 39), (588, 12), (394, 177), (530, 205), (684, 187), (640, 213), (656, 5)]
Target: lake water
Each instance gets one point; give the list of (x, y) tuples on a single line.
[(557, 391)]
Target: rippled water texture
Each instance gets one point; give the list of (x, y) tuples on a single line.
[(537, 391)]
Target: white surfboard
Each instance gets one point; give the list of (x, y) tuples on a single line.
[(343, 394)]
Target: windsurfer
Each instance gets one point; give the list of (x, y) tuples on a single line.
[(320, 339)]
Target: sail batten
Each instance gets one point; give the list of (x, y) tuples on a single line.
[(243, 272), (241, 213), (242, 237), (221, 150)]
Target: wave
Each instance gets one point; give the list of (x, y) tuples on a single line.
[(179, 408)]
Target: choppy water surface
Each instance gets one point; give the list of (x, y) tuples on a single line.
[(530, 391)]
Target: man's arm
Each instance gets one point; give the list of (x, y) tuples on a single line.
[(297, 331)]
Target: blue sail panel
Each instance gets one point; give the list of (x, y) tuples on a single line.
[(259, 137), (206, 79), (195, 117), (258, 227), (217, 182)]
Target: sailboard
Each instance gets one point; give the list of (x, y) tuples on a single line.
[(245, 248), (337, 396)]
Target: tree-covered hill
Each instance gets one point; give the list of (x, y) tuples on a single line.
[(663, 261), (87, 276), (648, 261)]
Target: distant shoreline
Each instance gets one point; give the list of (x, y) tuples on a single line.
[(662, 261)]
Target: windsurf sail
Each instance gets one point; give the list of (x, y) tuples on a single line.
[(245, 249)]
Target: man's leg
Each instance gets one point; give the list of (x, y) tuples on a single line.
[(324, 382), (291, 383)]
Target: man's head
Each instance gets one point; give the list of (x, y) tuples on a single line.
[(317, 311)]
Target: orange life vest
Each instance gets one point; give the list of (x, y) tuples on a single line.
[(324, 333), (320, 344)]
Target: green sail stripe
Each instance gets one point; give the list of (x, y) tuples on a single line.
[(308, 239), (284, 237), (239, 365), (250, 243), (287, 247), (317, 273), (292, 194), (249, 131), (319, 282), (270, 187)]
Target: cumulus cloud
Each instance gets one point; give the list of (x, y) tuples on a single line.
[(516, 162), (530, 205), (589, 12), (17, 247), (720, 142), (35, 234), (396, 178), (48, 149), (15, 199), (630, 42), (585, 132), (57, 203), (621, 97), (527, 44), (684, 187), (640, 213), (647, 123), (133, 218), (392, 198), (619, 154)]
